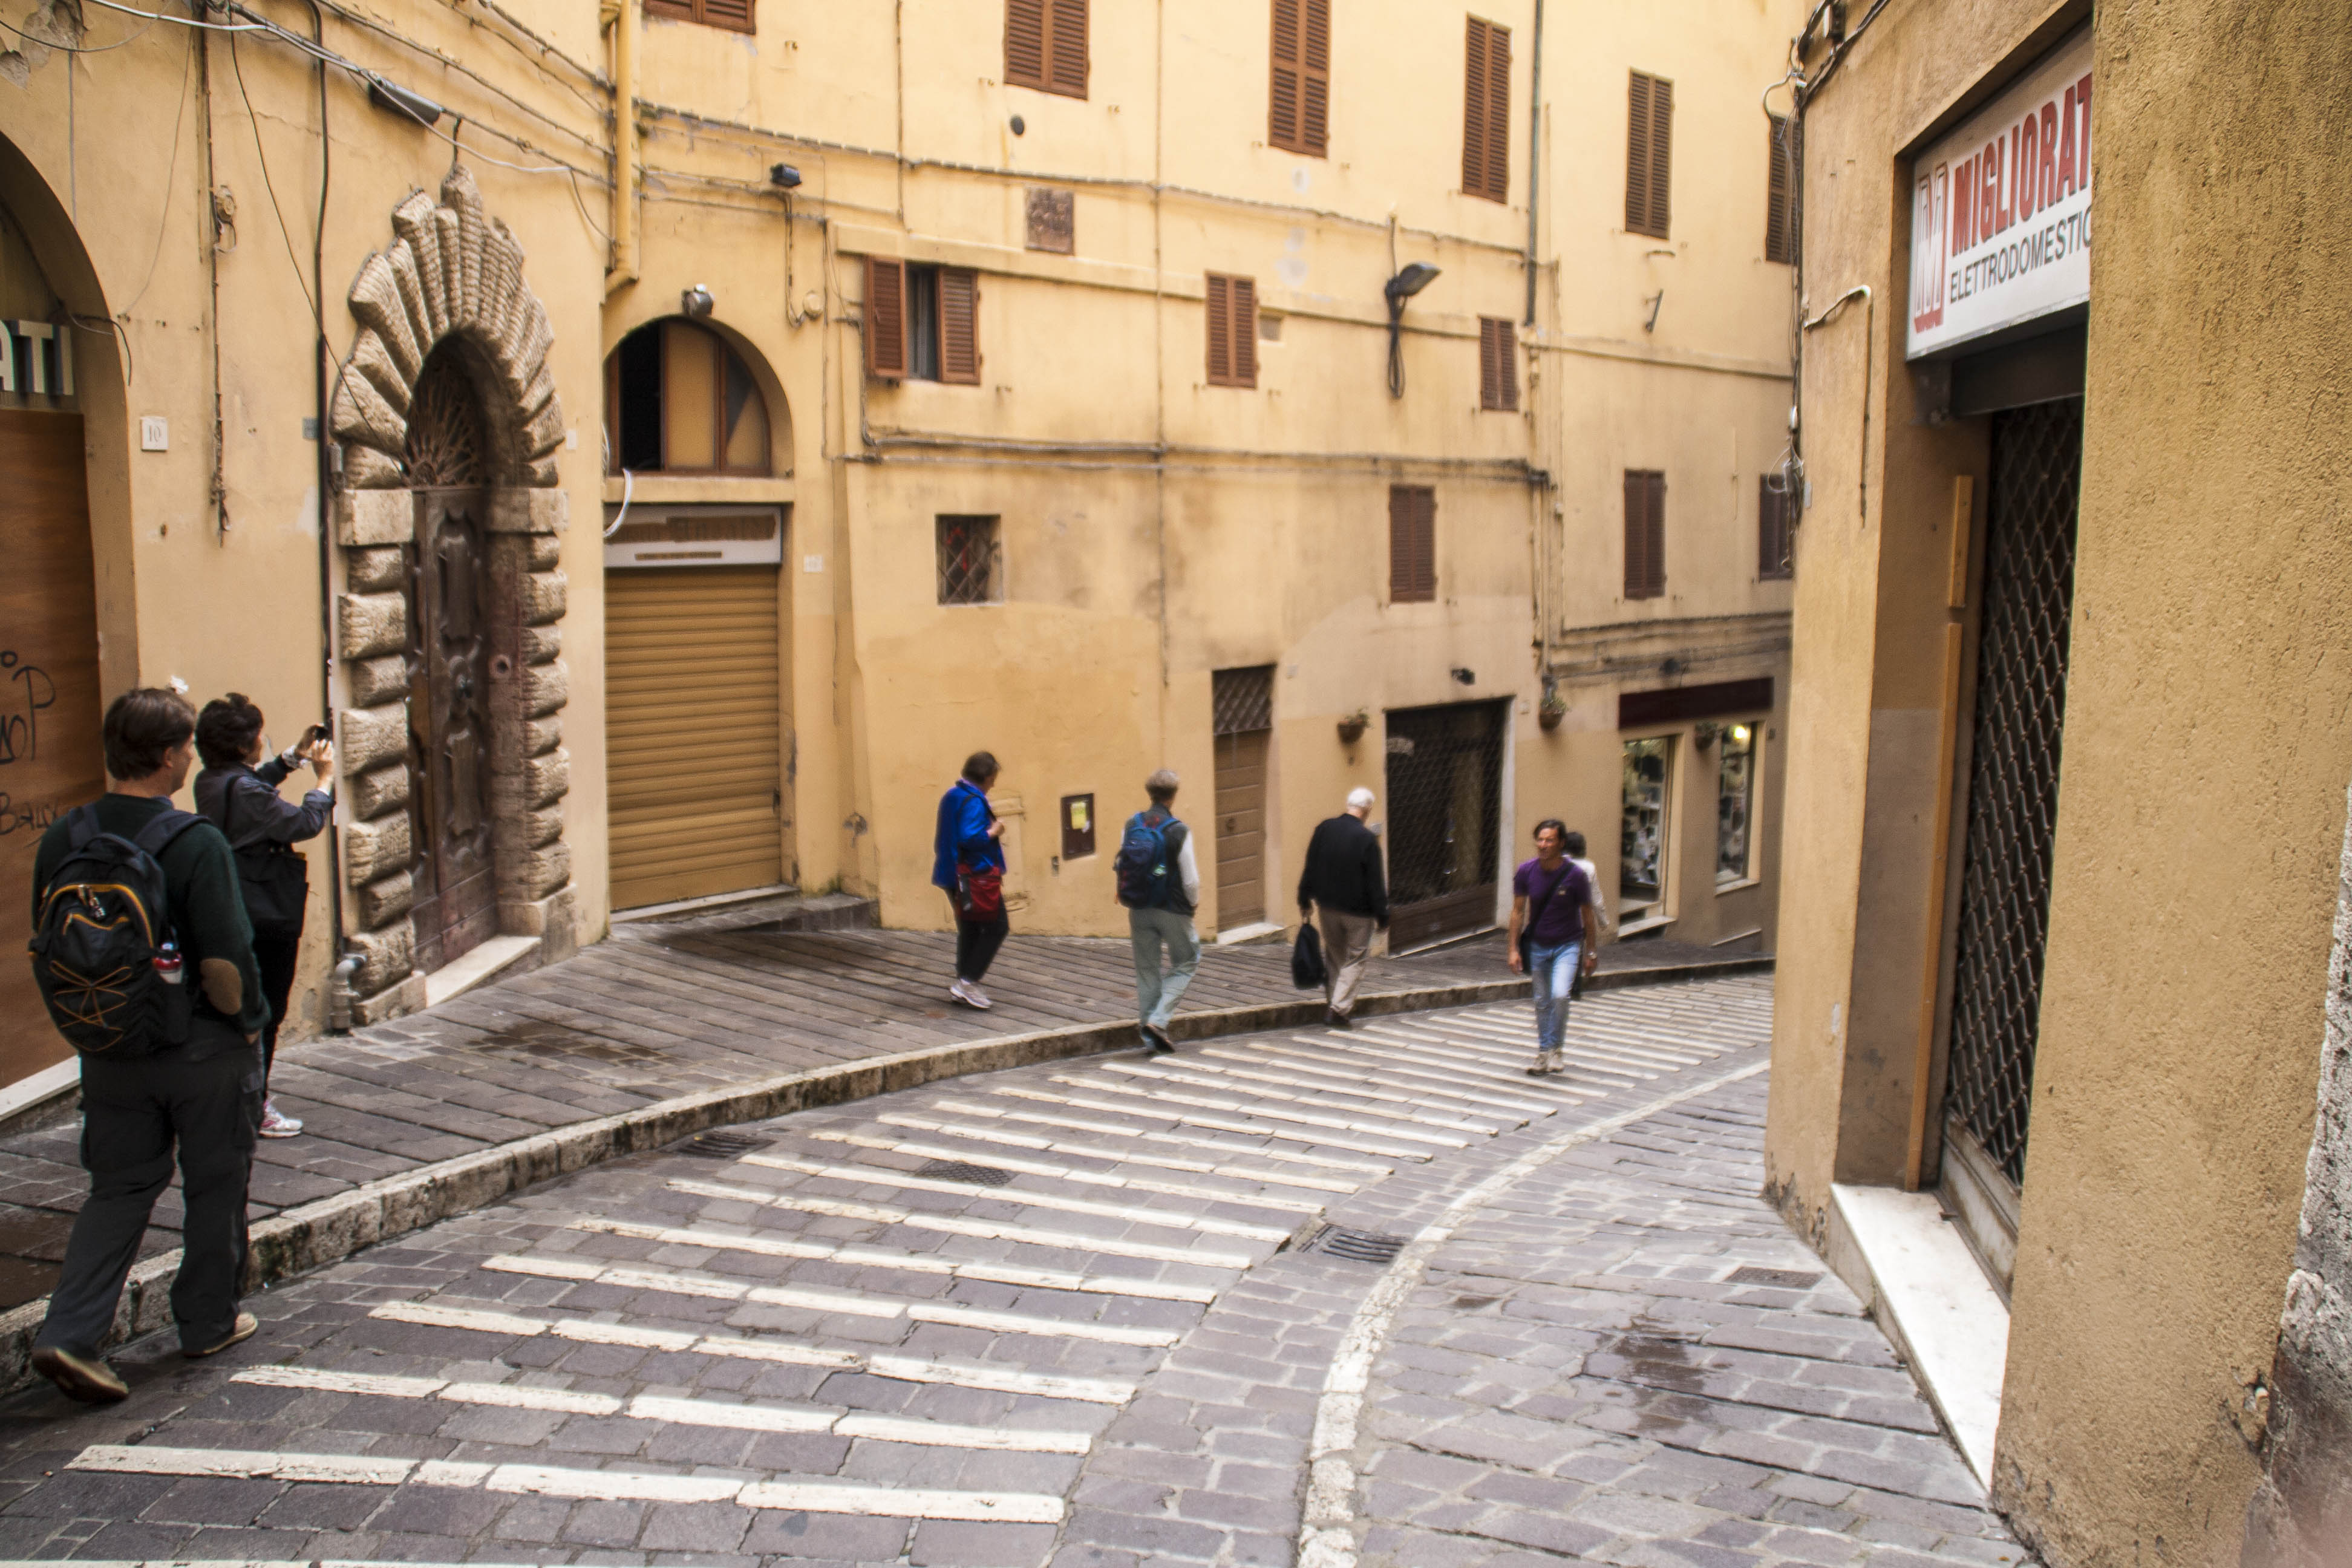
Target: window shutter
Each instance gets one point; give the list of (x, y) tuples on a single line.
[(1220, 332), (733, 15), (1655, 516), (1498, 371), (1282, 106), (1024, 43), (683, 10), (960, 325), (1774, 554), (1412, 544), (1066, 48), (1662, 156), (1314, 76), (1637, 154), (1498, 114), (1645, 534), (1474, 110), (885, 317), (1244, 325), (1779, 238)]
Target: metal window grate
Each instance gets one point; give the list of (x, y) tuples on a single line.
[(1444, 808), (1242, 700), (2021, 706), (957, 1171), (968, 561)]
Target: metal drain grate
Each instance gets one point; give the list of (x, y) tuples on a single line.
[(1361, 1245), (1778, 1279), (957, 1171), (724, 1145)]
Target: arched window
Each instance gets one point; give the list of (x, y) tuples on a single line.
[(678, 400)]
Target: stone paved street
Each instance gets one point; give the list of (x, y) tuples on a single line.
[(1099, 1313)]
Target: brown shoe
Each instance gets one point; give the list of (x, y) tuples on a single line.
[(248, 1325), (86, 1378)]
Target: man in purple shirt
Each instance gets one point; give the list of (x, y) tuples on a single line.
[(1553, 935)]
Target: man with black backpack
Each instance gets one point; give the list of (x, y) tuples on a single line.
[(1159, 883), (143, 952)]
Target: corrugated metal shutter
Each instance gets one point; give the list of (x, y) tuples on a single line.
[(693, 732)]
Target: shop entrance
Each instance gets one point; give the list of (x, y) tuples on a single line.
[(2011, 816), (1445, 820)]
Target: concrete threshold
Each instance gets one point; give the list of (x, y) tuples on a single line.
[(312, 1234), (452, 981), (1919, 1280)]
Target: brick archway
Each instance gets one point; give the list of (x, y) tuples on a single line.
[(452, 277)]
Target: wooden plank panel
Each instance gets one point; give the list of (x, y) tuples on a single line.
[(1241, 828)]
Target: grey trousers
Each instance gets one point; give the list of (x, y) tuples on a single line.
[(1347, 946), (1150, 931), (134, 1113)]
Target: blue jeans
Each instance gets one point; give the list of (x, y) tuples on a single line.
[(1151, 929), (1554, 972)]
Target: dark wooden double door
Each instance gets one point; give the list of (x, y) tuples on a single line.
[(455, 873)]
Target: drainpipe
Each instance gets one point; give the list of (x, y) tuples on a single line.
[(339, 988), (1535, 157), (627, 25)]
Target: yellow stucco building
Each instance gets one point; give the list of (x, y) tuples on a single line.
[(738, 411)]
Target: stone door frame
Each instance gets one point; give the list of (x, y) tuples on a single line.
[(453, 273)]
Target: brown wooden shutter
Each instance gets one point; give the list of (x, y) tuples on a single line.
[(1499, 370), (733, 15), (1637, 154), (1474, 110), (1314, 76), (1780, 228), (1662, 155), (1244, 331), (1066, 48), (960, 326), (1498, 114), (1412, 544), (1220, 332), (1024, 43), (682, 10), (1282, 95), (1774, 547), (1645, 534), (885, 317)]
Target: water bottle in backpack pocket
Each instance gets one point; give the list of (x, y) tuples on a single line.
[(104, 954), (1146, 870)]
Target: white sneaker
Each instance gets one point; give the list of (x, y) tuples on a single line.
[(273, 1125), (974, 996)]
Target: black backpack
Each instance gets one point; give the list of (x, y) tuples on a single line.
[(102, 924)]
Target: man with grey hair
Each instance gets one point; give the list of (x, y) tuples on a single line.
[(1159, 883), (1342, 881)]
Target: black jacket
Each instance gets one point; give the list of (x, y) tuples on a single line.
[(245, 804), (1343, 870)]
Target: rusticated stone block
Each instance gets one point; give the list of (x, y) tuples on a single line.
[(395, 1001), (541, 509), (541, 736), (371, 849), (373, 735), (385, 900), (544, 595), (541, 475), (546, 553), (542, 826), (380, 569), (541, 783), (386, 957), (367, 471), (378, 680), (542, 645), (546, 688), (383, 790), (367, 513), (370, 624), (535, 873), (554, 920)]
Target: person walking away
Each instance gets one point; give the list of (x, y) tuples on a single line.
[(237, 792), (968, 863), (1573, 846), (193, 1076), (1343, 888), (1159, 883), (1554, 936)]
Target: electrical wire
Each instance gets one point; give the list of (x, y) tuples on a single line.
[(253, 121), (170, 168), (80, 49), (178, 21)]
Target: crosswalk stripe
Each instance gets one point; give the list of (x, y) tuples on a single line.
[(1267, 1112), (1602, 1078), (750, 1417), (550, 1480), (1241, 1081), (677, 1284), (1311, 1078), (954, 1224), (908, 1262), (1437, 1064), (1292, 1156), (1065, 1173), (1126, 1156), (905, 1369), (1023, 1197), (1424, 1085)]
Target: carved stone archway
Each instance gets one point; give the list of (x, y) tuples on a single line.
[(452, 280)]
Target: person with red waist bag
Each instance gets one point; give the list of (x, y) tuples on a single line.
[(968, 865)]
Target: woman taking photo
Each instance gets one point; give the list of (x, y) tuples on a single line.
[(237, 792)]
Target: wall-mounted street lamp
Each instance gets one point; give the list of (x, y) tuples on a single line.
[(697, 301), (1416, 277)]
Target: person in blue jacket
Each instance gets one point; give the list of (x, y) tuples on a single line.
[(968, 864)]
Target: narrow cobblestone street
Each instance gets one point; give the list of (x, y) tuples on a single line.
[(1105, 1313)]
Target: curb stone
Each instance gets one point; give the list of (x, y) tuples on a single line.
[(311, 1235)]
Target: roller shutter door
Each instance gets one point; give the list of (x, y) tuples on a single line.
[(693, 732)]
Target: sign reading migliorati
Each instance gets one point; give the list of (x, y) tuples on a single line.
[(2001, 208)]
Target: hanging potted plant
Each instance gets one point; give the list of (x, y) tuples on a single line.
[(1352, 728), (1551, 711)]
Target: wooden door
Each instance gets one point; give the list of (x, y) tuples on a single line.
[(1241, 828), (450, 729), (693, 732), (50, 701)]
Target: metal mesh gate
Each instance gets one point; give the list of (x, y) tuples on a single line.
[(1444, 819), (2020, 702)]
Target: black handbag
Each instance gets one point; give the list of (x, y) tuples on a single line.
[(274, 877), (1306, 971)]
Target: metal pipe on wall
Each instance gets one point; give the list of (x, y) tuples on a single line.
[(628, 23)]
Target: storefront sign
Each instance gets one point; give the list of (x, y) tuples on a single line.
[(2000, 209)]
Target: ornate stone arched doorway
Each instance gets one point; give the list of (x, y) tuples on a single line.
[(450, 628)]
